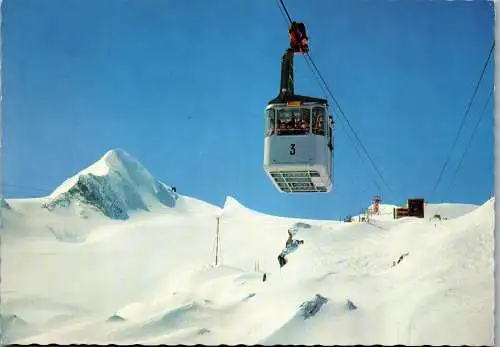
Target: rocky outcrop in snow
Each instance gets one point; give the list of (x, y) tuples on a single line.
[(311, 307)]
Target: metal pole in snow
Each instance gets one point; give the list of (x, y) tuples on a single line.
[(217, 244)]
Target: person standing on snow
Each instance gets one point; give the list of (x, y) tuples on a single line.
[(289, 240)]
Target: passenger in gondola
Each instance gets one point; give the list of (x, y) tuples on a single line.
[(319, 130), (272, 127), (304, 126), (281, 127)]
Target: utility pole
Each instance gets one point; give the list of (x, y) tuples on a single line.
[(217, 243)]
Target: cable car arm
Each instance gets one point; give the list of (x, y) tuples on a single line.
[(286, 87)]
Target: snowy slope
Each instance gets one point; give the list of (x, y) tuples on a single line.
[(149, 279)]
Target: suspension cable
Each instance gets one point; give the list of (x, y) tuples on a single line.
[(464, 153), (466, 114), (286, 11)]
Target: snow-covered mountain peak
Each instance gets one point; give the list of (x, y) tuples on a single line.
[(117, 159), (120, 161), (116, 162), (115, 184), (232, 204)]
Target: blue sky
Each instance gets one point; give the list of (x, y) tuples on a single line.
[(182, 86)]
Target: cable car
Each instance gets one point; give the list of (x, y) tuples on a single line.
[(298, 146)]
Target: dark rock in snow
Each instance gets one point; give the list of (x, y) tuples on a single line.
[(96, 192), (350, 305), (116, 318), (311, 307), (302, 225), (401, 257)]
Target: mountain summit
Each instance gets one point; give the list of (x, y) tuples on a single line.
[(115, 185)]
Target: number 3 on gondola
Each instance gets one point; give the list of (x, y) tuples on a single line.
[(292, 149)]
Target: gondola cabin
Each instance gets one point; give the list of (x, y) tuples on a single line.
[(298, 145), (298, 141)]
